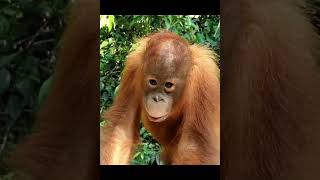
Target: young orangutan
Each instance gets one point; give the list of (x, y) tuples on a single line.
[(174, 87)]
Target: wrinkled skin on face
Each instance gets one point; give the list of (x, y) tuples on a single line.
[(166, 66)]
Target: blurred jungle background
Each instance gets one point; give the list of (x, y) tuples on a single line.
[(29, 34), (117, 36)]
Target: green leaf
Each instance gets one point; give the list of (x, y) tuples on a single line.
[(186, 36), (44, 90), (142, 131), (26, 87), (212, 42), (217, 31), (148, 160), (136, 155), (5, 60), (101, 85), (170, 19), (14, 106), (189, 22), (19, 15), (151, 145), (4, 24), (103, 21), (103, 123), (158, 159), (145, 135), (194, 26), (9, 11), (153, 158), (110, 22), (167, 24), (5, 79), (45, 8), (175, 30), (104, 44), (200, 38), (116, 90)]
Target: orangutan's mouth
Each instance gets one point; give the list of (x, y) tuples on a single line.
[(157, 119)]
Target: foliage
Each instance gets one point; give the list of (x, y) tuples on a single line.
[(117, 37), (148, 151), (29, 33)]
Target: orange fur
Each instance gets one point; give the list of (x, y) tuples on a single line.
[(64, 143), (271, 91), (190, 135)]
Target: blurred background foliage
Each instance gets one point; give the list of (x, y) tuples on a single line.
[(29, 34), (117, 37)]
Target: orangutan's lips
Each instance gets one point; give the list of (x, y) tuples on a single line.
[(157, 119)]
